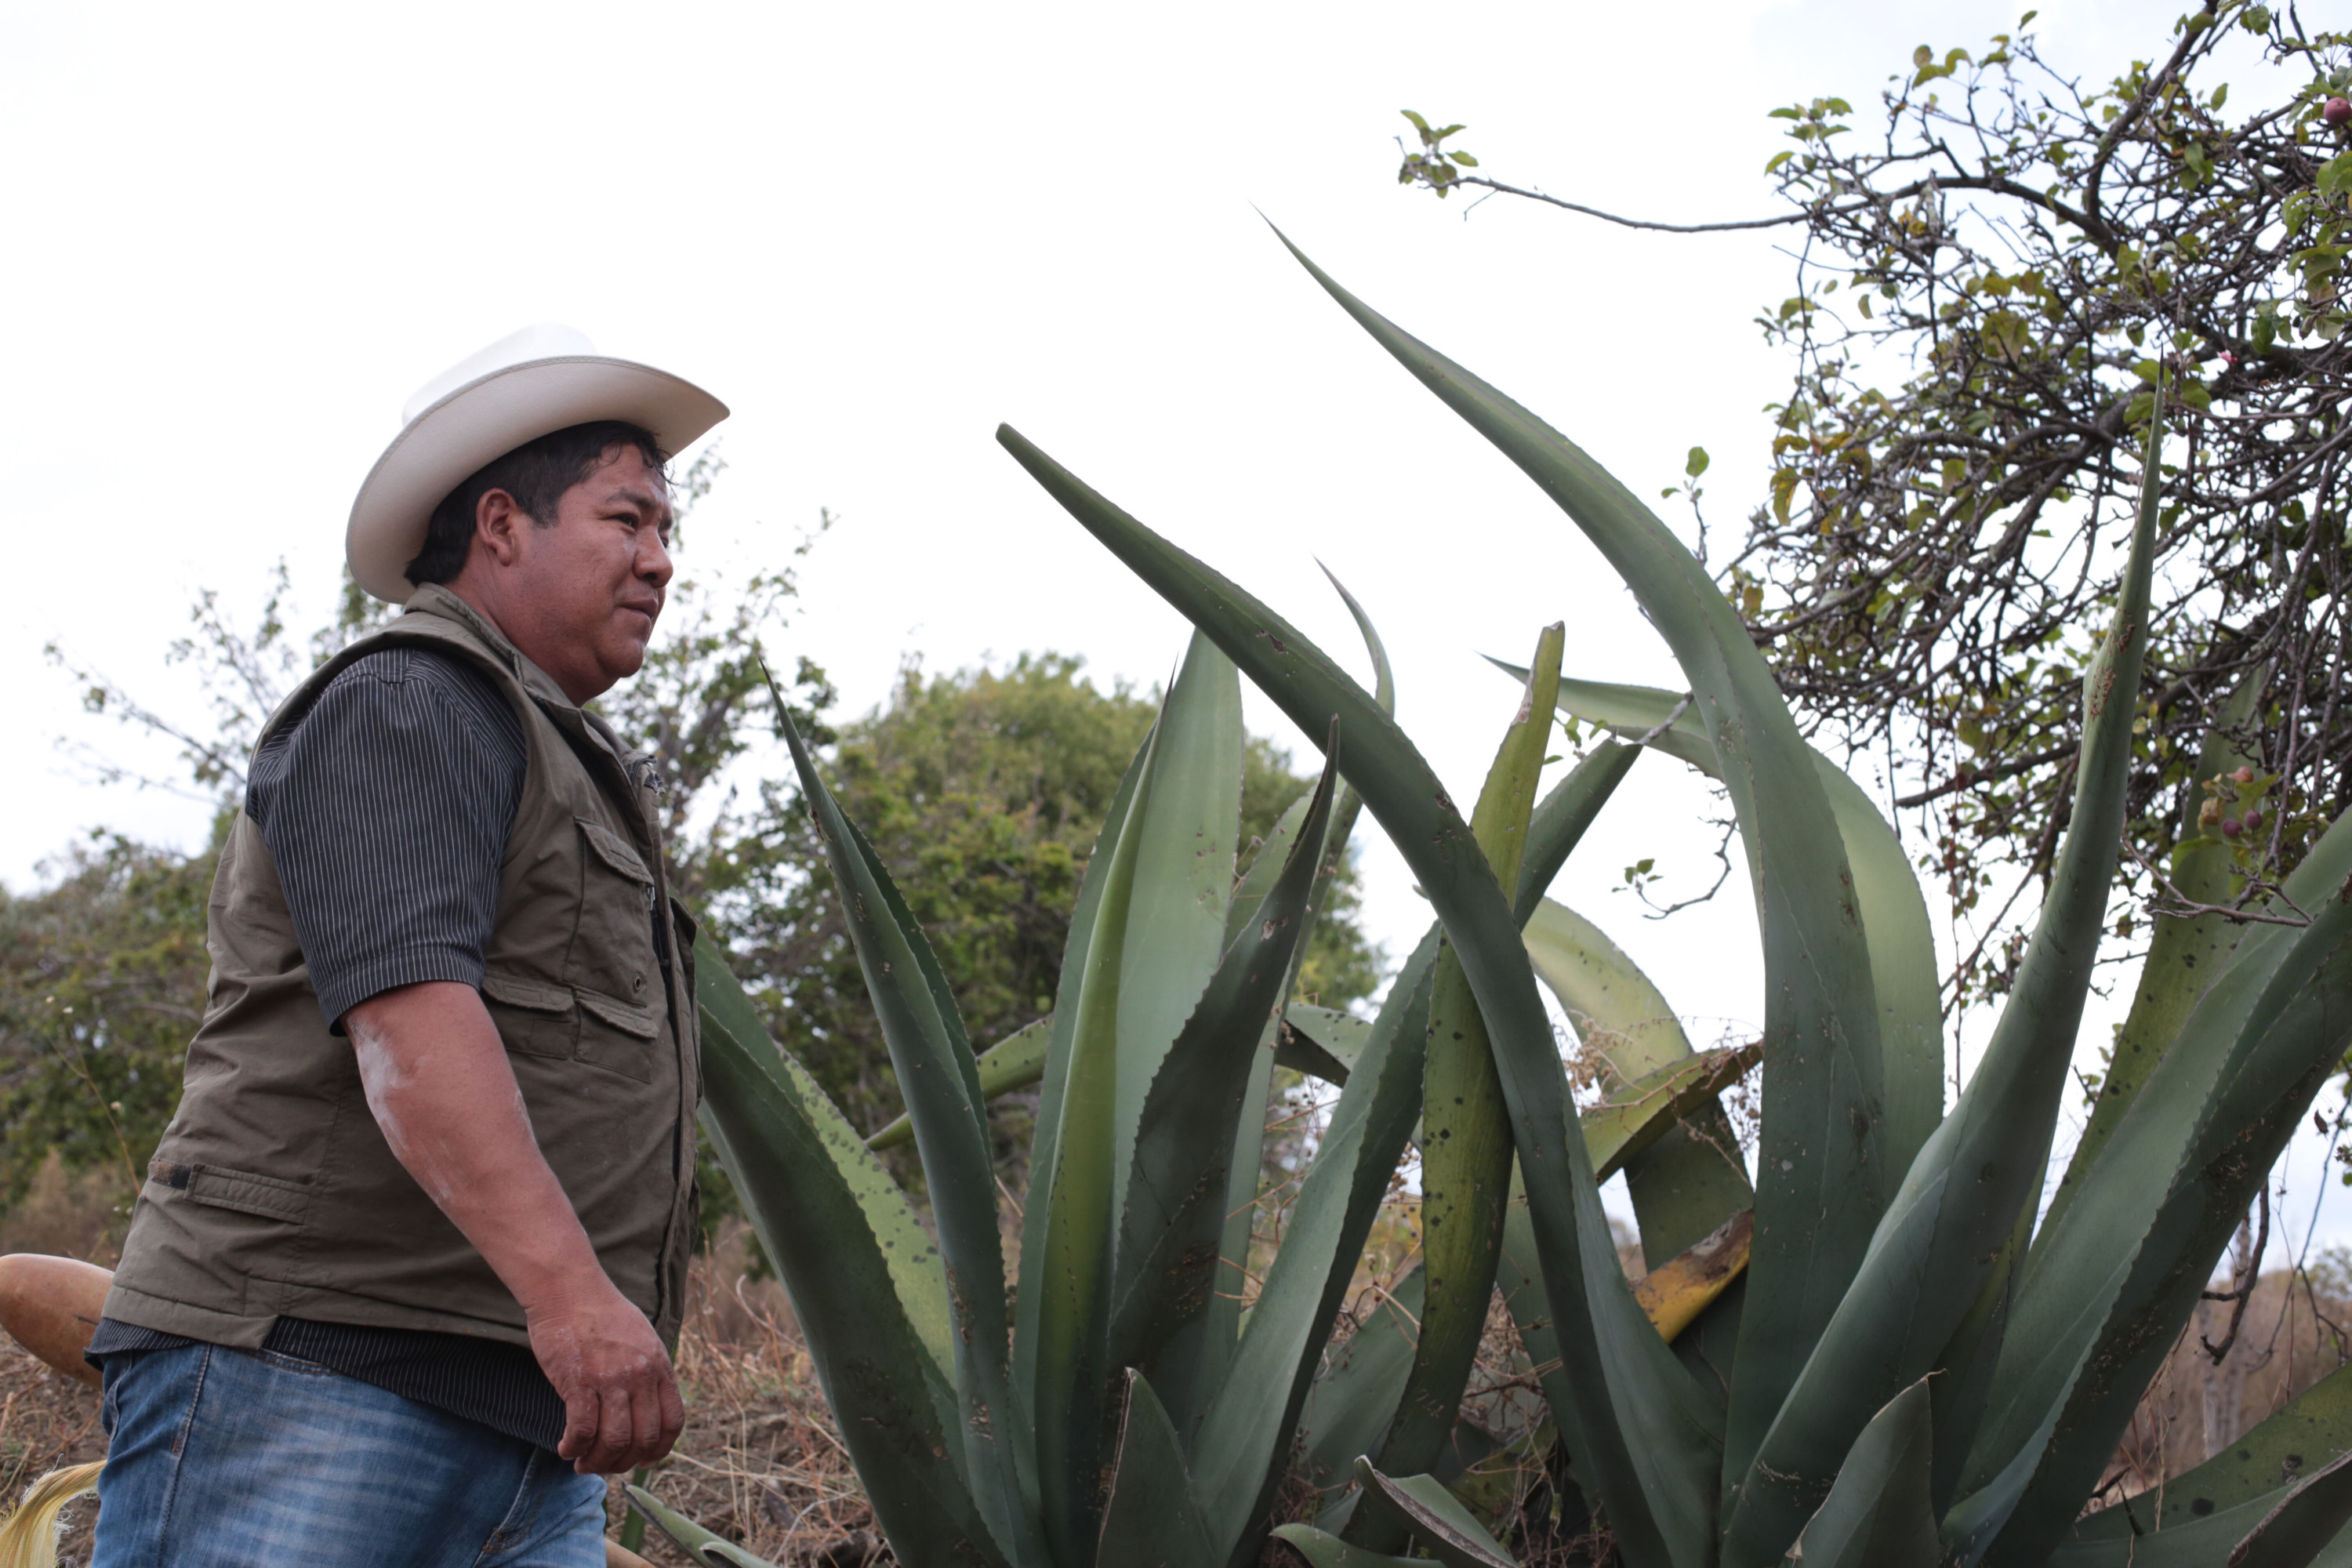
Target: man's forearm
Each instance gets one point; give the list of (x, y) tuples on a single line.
[(438, 1081)]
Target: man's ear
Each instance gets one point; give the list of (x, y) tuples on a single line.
[(498, 525)]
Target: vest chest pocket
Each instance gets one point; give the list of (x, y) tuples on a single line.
[(532, 1020), (613, 968)]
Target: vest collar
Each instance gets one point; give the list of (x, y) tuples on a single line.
[(433, 599)]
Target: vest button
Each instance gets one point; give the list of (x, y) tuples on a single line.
[(636, 983)]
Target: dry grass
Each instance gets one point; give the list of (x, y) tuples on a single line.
[(760, 1460), (46, 1420)]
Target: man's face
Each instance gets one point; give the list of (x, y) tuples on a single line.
[(580, 596)]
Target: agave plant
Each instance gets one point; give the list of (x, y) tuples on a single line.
[(986, 1432), (1914, 1368)]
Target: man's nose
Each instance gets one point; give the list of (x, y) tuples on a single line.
[(652, 558)]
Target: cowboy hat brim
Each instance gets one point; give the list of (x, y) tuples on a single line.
[(489, 417)]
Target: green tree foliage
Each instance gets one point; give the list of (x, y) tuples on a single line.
[(101, 982), (1995, 271)]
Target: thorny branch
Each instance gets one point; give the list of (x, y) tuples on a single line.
[(1992, 277), (2242, 1280)]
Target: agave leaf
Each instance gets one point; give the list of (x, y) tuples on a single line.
[(1072, 1300), (697, 1543), (1686, 1285), (1465, 1127), (936, 1073), (1323, 1550), (1167, 1257), (1894, 912), (912, 1259), (2308, 1522), (1476, 1467), (1824, 1180), (1016, 1062), (1433, 1516), (1956, 1208), (1687, 1179), (1962, 1383), (1635, 1116), (2136, 1245), (1151, 1519), (2287, 1527), (1221, 1332), (726, 1554), (1614, 1006), (1506, 801), (1353, 1404), (1222, 1325), (1643, 1437), (1247, 1143), (1134, 971), (28, 1536), (2309, 1431), (853, 1265), (1904, 976), (1321, 1041), (2183, 955), (1877, 1514), (1267, 863), (1641, 716), (1561, 818), (1384, 678), (2248, 1125), (1675, 1293), (2195, 1543), (1254, 1411), (1672, 1296), (1492, 1477), (1183, 880), (1520, 1279), (1081, 957), (1350, 805)]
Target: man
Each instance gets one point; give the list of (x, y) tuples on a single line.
[(401, 1283)]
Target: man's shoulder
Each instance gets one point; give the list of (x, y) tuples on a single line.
[(403, 674), (428, 665)]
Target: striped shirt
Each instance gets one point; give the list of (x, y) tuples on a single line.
[(385, 809)]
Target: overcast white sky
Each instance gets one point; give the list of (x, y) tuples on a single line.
[(244, 233)]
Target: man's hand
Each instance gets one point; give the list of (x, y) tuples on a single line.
[(620, 1400), (440, 1085)]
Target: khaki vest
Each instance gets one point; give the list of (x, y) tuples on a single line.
[(273, 1192)]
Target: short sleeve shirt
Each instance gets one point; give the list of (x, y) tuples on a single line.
[(385, 809)]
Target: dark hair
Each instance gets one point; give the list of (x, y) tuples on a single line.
[(536, 474)]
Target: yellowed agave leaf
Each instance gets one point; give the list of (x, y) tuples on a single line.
[(28, 1538)]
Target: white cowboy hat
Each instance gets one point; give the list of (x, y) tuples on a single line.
[(539, 380)]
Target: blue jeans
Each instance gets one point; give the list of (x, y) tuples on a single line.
[(226, 1459)]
